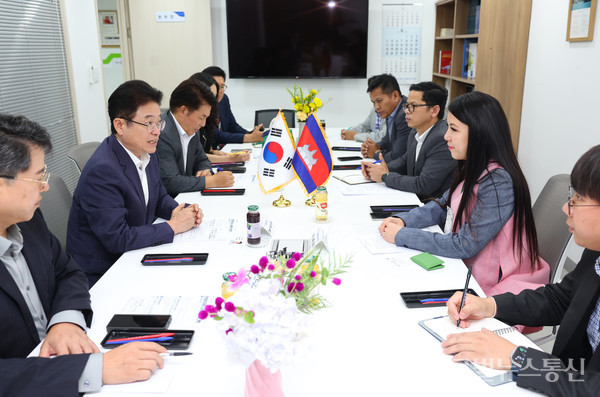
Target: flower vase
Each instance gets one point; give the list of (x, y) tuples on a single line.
[(300, 125), (261, 382)]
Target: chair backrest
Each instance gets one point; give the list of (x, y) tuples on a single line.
[(552, 232), (56, 205), (80, 154), (264, 117)]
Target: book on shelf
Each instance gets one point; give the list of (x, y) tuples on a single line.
[(445, 61), (465, 64), (472, 60), (472, 16), (477, 13)]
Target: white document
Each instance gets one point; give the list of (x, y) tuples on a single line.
[(366, 188), (353, 179), (183, 309), (371, 238), (158, 383), (210, 229)]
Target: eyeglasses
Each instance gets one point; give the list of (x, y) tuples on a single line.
[(571, 201), (151, 125), (42, 181), (409, 107), (223, 87)]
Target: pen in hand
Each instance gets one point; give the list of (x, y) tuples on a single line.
[(462, 302), (219, 169)]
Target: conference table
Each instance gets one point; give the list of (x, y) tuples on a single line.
[(367, 343)]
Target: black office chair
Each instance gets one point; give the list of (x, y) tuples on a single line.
[(265, 116)]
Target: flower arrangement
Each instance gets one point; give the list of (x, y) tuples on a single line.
[(264, 317), (304, 105)]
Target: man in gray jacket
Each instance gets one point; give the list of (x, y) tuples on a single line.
[(374, 127), (427, 168), (184, 166)]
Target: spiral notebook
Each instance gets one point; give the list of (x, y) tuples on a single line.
[(442, 326)]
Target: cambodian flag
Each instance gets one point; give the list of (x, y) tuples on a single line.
[(312, 160)]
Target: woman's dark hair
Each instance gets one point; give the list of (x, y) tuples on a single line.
[(207, 133), (490, 141), (585, 177)]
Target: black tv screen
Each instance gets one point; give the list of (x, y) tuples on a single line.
[(297, 38)]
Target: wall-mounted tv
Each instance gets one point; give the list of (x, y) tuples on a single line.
[(297, 38)]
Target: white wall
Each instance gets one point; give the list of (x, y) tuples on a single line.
[(560, 99), (83, 50), (349, 101)]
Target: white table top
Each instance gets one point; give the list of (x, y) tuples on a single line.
[(366, 343)]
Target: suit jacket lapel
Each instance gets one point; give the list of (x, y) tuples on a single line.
[(129, 168), (173, 136), (584, 300), (8, 285), (410, 159)]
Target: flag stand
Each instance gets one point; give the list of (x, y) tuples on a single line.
[(282, 202), (310, 202)]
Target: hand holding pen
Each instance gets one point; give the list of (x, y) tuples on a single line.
[(475, 308)]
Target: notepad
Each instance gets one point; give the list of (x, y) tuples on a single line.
[(440, 327), (353, 179)]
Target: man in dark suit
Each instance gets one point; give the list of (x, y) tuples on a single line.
[(387, 100), (184, 166), (427, 168), (120, 193), (573, 368), (43, 293), (228, 130)]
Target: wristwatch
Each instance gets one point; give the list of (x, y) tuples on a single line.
[(384, 176), (518, 358)]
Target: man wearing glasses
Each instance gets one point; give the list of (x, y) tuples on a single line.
[(387, 100), (427, 168), (43, 293), (120, 191), (228, 130)]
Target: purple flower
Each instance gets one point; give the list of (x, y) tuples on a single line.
[(255, 269), (290, 263), (211, 309), (263, 261), (298, 277), (313, 274), (271, 266), (203, 314), (219, 302), (336, 281), (291, 286), (228, 331), (230, 307), (296, 256), (299, 287)]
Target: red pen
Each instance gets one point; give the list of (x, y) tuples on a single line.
[(143, 337)]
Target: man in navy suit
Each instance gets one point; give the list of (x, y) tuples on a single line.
[(120, 191), (228, 130), (43, 293), (388, 101), (427, 168)]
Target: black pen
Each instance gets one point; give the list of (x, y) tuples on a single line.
[(462, 302), (175, 354)]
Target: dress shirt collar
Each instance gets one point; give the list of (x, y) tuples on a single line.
[(182, 133), (420, 138), (14, 240), (140, 163)]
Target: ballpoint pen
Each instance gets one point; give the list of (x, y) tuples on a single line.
[(462, 302), (143, 337), (120, 342), (219, 168), (175, 354)]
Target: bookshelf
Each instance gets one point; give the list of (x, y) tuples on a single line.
[(500, 56)]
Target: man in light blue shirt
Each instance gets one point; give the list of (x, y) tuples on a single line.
[(43, 293)]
